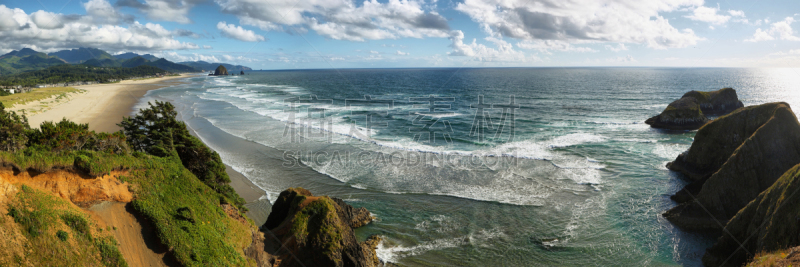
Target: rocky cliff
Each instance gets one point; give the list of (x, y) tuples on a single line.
[(770, 222), (318, 231), (731, 161)]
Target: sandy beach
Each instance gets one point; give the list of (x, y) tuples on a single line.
[(102, 106)]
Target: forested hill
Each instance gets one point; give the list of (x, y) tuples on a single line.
[(78, 73)]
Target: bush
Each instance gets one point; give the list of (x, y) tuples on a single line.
[(67, 135), (110, 253), (13, 129), (78, 224), (62, 235)]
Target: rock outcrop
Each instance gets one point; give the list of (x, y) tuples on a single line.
[(221, 70), (769, 222), (731, 161), (690, 111), (241, 72), (718, 102), (318, 231), (682, 114)]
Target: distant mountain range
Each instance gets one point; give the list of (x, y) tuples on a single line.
[(27, 59), (202, 65), (82, 54), (130, 55)]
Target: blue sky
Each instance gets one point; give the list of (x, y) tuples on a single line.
[(292, 34)]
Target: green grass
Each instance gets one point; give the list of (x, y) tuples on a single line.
[(36, 95), (45, 221), (165, 193)]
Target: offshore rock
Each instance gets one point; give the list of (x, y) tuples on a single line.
[(318, 231), (768, 223), (690, 111), (682, 114), (221, 70), (731, 161), (718, 102)]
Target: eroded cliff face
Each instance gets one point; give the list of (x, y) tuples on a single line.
[(770, 222), (318, 231), (731, 161)]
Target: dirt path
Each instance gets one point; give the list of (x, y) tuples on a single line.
[(138, 243)]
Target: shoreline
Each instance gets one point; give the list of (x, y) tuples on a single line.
[(102, 106)]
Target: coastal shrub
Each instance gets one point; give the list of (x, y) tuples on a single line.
[(157, 131), (13, 129), (78, 224), (110, 253), (62, 235), (67, 135), (32, 221)]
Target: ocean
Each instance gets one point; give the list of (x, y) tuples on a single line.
[(475, 167)]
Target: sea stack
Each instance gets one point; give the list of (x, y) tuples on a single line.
[(241, 72), (715, 103), (681, 114), (318, 231), (731, 161), (690, 111), (221, 70)]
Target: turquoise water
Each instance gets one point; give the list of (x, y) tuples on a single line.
[(573, 178)]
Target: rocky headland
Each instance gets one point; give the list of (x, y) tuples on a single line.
[(732, 160), (743, 170), (690, 111), (318, 231)]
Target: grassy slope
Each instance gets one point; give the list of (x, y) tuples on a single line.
[(35, 95), (186, 213), (37, 218)]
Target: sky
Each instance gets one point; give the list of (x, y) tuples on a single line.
[(313, 34)]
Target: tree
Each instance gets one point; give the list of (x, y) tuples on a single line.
[(13, 130)]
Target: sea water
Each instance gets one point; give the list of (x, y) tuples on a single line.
[(475, 167)]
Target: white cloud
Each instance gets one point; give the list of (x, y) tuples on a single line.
[(546, 46), (619, 47), (176, 57), (102, 12), (46, 20), (709, 14), (239, 33), (400, 53), (38, 32), (503, 53), (788, 53), (341, 19), (625, 59), (164, 10), (583, 20), (736, 13), (781, 30)]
